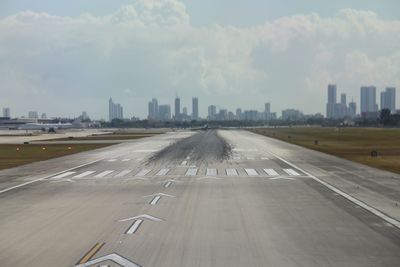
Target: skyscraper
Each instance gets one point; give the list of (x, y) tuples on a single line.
[(330, 106), (195, 108), (212, 112), (267, 111), (153, 110), (177, 108), (115, 111), (164, 112), (388, 99), (6, 112), (368, 100), (33, 115)]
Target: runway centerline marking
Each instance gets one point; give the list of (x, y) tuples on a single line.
[(84, 174), (134, 227), (365, 206)]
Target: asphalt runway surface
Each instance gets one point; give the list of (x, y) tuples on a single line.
[(208, 198)]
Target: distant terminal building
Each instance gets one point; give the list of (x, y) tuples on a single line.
[(292, 115), (195, 108), (115, 110), (33, 115), (388, 99)]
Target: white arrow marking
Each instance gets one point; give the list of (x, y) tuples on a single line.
[(169, 180), (139, 178), (134, 227), (144, 216), (114, 257), (155, 200), (159, 194)]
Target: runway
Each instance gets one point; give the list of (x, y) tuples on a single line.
[(208, 198)]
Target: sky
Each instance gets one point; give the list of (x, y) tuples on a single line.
[(65, 57)]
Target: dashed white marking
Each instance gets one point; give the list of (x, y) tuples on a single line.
[(134, 227), (236, 158), (291, 172), (211, 172), (264, 158), (251, 172), (123, 173), (244, 149), (209, 177), (104, 173), (167, 184), (112, 160), (126, 160), (62, 175), (231, 172), (184, 163), (283, 178), (155, 200), (143, 172), (144, 150), (250, 158), (162, 172), (271, 172), (191, 172), (84, 174)]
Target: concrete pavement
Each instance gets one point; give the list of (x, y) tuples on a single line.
[(214, 198)]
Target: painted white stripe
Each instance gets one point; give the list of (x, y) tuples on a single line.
[(112, 160), (264, 158), (251, 172), (104, 173), (191, 172), (271, 172), (134, 227), (363, 205), (155, 200), (184, 162), (250, 158), (123, 173), (143, 172), (167, 184), (211, 172), (126, 159), (231, 172), (84, 174), (291, 172), (62, 175), (162, 172), (46, 177)]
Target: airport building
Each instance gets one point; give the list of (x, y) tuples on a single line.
[(6, 113)]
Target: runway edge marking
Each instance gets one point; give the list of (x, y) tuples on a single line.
[(360, 203), (46, 177)]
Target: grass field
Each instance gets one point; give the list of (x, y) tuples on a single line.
[(15, 155), (353, 144)]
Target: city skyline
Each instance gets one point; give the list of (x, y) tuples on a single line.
[(343, 42)]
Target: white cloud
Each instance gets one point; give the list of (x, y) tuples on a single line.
[(151, 48)]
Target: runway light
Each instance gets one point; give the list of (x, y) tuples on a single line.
[(69, 148), (17, 148), (43, 148)]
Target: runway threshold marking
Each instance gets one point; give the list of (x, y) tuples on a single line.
[(251, 172), (271, 172), (47, 177), (84, 174), (91, 253), (162, 172), (104, 173), (143, 172), (231, 172), (291, 172), (211, 172), (65, 174), (363, 205), (191, 172), (123, 173)]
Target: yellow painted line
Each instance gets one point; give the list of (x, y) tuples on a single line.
[(91, 253)]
